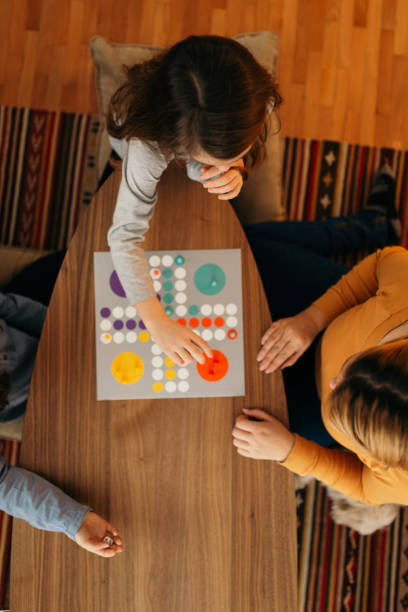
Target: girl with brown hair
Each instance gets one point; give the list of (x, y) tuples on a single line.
[(205, 101)]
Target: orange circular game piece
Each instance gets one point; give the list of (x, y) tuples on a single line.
[(194, 322), (219, 321), (214, 368), (206, 322), (182, 321), (232, 334)]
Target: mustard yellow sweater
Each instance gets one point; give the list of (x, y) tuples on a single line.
[(366, 303)]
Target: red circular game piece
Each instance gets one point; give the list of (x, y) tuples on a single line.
[(232, 334), (194, 322), (182, 321), (219, 321), (206, 322), (214, 368)]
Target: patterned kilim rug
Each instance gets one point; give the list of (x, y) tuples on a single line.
[(47, 174)]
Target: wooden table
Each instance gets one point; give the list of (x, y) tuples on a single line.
[(204, 529)]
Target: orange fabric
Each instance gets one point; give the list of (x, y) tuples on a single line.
[(367, 303)]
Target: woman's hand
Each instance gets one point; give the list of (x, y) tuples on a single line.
[(92, 533), (287, 339), (265, 438), (181, 344), (227, 183)]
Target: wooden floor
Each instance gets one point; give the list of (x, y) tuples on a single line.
[(343, 65)]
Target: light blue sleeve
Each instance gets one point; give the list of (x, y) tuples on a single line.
[(30, 497)]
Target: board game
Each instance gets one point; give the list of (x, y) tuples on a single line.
[(200, 289)]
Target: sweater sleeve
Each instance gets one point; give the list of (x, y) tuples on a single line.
[(141, 171), (22, 313), (27, 496), (361, 283), (343, 471)]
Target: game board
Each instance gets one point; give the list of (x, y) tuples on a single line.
[(198, 288)]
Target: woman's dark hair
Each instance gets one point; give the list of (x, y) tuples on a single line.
[(370, 405), (206, 93)]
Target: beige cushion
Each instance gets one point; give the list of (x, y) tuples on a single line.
[(15, 259), (261, 196), (12, 430)]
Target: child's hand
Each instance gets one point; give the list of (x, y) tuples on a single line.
[(265, 438), (178, 342), (287, 339), (227, 182), (91, 536)]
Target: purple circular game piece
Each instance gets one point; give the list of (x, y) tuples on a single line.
[(142, 325), (158, 297), (118, 324), (105, 312), (116, 285), (131, 324)]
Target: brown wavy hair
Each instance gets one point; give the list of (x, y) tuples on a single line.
[(370, 405), (206, 93)]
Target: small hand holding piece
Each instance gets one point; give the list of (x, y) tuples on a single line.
[(98, 536), (287, 339), (264, 438), (181, 344), (228, 184)]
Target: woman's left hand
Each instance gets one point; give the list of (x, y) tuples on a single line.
[(265, 438), (228, 185)]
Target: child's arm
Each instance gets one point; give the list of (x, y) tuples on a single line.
[(30, 497), (178, 342)]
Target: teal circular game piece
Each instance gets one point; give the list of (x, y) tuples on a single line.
[(168, 286), (167, 298), (193, 310), (180, 260), (210, 279), (167, 272), (169, 310)]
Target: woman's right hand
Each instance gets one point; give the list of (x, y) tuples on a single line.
[(287, 339), (181, 344)]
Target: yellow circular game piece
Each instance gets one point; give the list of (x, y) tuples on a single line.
[(170, 374), (144, 336), (169, 362), (157, 387), (127, 368)]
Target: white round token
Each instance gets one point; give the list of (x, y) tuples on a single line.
[(157, 374), (206, 309), (105, 338), (231, 309), (183, 373), (154, 261), (181, 310), (231, 321), (180, 272), (130, 311), (181, 298), (157, 362), (196, 331), (219, 309), (118, 312), (206, 334), (157, 286), (131, 337), (105, 325), (219, 334), (156, 350), (118, 337), (183, 386), (167, 260), (180, 285), (155, 273), (170, 386)]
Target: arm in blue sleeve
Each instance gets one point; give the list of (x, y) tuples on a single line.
[(22, 313), (26, 495)]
